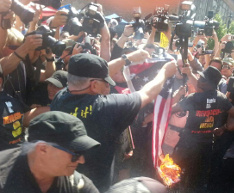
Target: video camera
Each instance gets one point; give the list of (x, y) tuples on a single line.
[(48, 40), (210, 24), (93, 21), (26, 15), (185, 23), (160, 19), (139, 28), (87, 47), (201, 49)]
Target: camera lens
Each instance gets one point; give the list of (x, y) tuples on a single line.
[(74, 27), (57, 47), (25, 15)]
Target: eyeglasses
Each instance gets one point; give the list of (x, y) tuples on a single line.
[(225, 66), (75, 156)]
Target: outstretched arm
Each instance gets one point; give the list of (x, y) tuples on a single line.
[(149, 92)]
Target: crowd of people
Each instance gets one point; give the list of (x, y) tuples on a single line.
[(77, 105)]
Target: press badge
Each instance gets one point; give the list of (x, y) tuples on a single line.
[(9, 106)]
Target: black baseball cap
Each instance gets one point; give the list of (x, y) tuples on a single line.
[(90, 66), (61, 128), (139, 185), (58, 78), (212, 75)]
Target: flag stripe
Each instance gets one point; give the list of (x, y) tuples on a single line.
[(162, 110)]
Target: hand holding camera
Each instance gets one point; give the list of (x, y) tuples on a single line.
[(77, 49), (60, 18), (32, 42), (128, 30)]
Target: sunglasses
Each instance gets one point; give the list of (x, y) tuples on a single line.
[(225, 66), (75, 156)]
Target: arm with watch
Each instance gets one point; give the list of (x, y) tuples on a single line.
[(50, 66), (117, 64), (10, 63), (118, 48)]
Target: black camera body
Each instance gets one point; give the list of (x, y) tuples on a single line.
[(139, 28), (48, 40), (160, 19), (183, 30), (92, 20), (209, 24), (26, 15)]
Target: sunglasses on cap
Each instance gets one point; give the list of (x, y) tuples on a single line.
[(75, 156), (225, 66)]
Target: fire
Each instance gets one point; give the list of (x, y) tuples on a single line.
[(168, 171)]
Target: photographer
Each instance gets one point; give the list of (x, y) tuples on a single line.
[(194, 150)]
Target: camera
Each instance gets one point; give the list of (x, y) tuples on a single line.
[(185, 24), (60, 64), (138, 27), (92, 20), (200, 32), (26, 15), (210, 24), (160, 19), (48, 40), (73, 26), (204, 52)]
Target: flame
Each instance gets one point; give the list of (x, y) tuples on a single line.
[(169, 172)]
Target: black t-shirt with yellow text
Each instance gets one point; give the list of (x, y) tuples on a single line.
[(11, 128), (105, 118), (207, 110)]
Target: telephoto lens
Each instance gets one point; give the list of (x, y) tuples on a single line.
[(26, 15)]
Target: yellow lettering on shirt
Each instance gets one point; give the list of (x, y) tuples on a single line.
[(12, 118)]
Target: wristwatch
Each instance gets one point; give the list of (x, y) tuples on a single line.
[(50, 59), (125, 58)]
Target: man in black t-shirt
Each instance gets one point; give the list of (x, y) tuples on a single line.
[(14, 116), (47, 163), (208, 109), (105, 117)]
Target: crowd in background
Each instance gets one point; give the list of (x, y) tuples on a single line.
[(39, 62)]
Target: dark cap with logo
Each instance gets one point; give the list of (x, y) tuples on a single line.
[(61, 128), (58, 78), (212, 75), (90, 66), (139, 185)]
